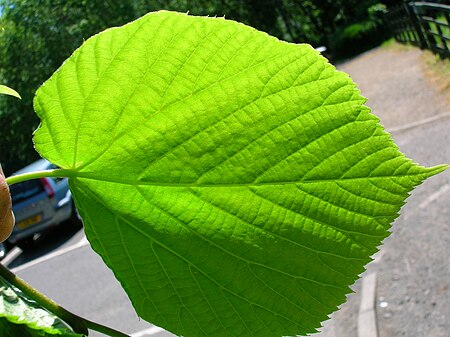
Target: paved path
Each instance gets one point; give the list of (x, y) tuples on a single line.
[(84, 285), (413, 266)]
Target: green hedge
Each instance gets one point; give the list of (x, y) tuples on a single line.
[(359, 36)]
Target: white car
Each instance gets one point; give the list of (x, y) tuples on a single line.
[(40, 204)]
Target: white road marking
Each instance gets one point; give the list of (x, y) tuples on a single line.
[(424, 121), (83, 242), (367, 320), (11, 256), (147, 332), (377, 256), (433, 197)]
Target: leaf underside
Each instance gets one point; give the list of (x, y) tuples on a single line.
[(235, 184), (21, 316)]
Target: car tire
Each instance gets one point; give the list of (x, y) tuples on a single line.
[(25, 244), (75, 219)]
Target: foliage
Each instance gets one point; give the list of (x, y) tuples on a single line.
[(21, 316), (355, 38), (441, 29), (438, 71), (4, 90), (39, 35), (7, 219), (360, 36), (235, 184)]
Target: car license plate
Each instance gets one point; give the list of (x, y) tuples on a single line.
[(30, 221)]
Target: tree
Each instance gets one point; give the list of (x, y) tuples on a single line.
[(223, 208), (37, 37)]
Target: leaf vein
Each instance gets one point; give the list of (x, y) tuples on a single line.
[(128, 40), (325, 225), (206, 275)]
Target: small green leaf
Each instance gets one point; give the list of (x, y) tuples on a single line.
[(8, 91), (21, 316), (235, 184)]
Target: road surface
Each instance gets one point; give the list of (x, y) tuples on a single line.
[(413, 267)]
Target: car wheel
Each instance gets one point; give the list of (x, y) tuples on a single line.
[(75, 219), (25, 244)]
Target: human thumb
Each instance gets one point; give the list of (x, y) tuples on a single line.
[(6, 214)]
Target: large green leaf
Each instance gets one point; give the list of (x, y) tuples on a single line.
[(235, 184), (21, 316)]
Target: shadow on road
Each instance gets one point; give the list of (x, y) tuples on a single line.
[(49, 241)]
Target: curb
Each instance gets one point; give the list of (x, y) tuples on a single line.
[(366, 321), (413, 125), (367, 318), (11, 256)]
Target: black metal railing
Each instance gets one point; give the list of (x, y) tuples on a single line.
[(423, 24)]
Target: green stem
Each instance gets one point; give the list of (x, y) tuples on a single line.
[(103, 329), (43, 300), (59, 173), (77, 323)]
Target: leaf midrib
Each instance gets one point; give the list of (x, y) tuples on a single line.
[(74, 174)]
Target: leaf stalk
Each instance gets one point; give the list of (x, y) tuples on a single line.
[(78, 324), (57, 173)]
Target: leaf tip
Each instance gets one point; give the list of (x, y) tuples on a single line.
[(431, 171)]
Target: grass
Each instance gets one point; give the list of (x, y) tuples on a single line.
[(436, 70), (396, 46), (445, 30), (389, 43)]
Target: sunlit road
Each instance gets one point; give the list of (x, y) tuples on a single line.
[(68, 271), (75, 277)]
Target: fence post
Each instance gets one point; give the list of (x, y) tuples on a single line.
[(415, 22)]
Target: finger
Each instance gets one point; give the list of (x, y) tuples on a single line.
[(6, 214)]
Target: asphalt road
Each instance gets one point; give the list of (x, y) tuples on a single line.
[(76, 278), (64, 267), (413, 272), (413, 292)]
